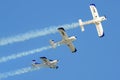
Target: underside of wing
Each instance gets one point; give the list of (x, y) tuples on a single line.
[(44, 59), (94, 11), (99, 29), (72, 48), (63, 33)]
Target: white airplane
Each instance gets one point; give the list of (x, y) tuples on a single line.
[(65, 40), (96, 20), (46, 62)]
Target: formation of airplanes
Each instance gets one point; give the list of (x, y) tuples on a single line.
[(69, 40)]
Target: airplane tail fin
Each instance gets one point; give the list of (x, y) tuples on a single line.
[(81, 25), (33, 61), (52, 43)]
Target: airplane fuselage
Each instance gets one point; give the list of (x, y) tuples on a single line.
[(51, 64), (67, 40), (94, 21), (36, 65)]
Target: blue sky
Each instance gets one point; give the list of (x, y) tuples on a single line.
[(96, 58)]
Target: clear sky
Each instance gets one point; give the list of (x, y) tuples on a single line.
[(96, 58)]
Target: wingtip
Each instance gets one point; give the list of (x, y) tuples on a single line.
[(61, 28), (57, 67), (58, 60), (43, 57), (102, 35), (105, 17), (92, 4), (74, 50), (33, 60)]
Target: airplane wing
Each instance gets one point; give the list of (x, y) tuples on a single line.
[(72, 48), (98, 24), (94, 11), (99, 29), (44, 59), (63, 33)]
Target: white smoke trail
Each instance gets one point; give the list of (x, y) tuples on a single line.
[(34, 34), (18, 55), (18, 72)]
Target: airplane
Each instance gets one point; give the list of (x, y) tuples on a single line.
[(65, 40), (96, 20), (46, 63)]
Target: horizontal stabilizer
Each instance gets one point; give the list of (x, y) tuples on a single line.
[(52, 44), (81, 25)]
